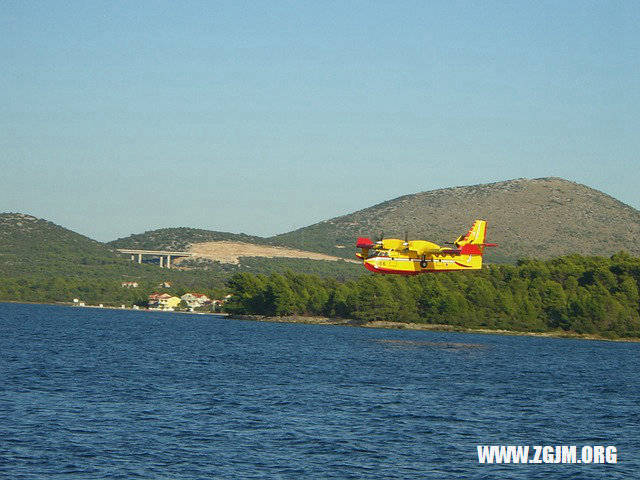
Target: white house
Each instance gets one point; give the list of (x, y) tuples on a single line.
[(195, 300)]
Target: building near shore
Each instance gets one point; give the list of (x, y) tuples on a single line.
[(163, 301), (195, 300)]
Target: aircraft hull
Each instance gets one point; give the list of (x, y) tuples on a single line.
[(416, 266)]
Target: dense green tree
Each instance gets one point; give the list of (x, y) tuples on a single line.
[(279, 297), (573, 293)]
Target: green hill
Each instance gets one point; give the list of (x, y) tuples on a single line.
[(29, 245), (180, 238), (541, 218), (44, 262)]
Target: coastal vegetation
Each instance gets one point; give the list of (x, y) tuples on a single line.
[(591, 295), (44, 262), (105, 290), (544, 220), (102, 282)]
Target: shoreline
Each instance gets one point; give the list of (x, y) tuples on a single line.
[(384, 324), (111, 307)]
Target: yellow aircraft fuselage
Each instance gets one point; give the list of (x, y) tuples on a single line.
[(419, 256)]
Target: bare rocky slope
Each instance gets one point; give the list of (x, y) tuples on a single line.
[(529, 218), (538, 218), (231, 252)]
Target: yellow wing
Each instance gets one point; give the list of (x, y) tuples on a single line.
[(422, 247)]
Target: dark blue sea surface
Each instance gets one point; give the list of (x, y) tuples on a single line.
[(94, 393)]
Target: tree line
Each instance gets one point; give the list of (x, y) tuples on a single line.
[(572, 293), (108, 291)]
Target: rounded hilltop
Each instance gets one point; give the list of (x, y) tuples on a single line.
[(539, 218)]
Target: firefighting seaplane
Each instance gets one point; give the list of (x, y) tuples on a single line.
[(404, 257)]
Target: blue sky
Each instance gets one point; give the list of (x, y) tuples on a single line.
[(262, 117)]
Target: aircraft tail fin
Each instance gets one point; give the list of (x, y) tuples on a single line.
[(473, 242), (475, 235)]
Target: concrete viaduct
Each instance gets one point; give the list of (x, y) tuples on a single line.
[(156, 253)]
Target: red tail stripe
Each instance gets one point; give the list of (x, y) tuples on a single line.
[(470, 249)]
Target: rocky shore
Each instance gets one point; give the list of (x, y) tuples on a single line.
[(420, 326)]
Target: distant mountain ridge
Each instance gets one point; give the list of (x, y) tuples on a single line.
[(44, 252), (527, 218), (539, 218)]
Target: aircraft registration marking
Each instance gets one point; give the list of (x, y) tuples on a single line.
[(391, 263)]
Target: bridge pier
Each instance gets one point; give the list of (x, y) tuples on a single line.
[(161, 254)]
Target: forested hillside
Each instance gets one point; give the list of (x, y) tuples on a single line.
[(29, 245), (572, 293), (44, 262)]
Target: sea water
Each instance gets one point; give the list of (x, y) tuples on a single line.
[(96, 393)]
